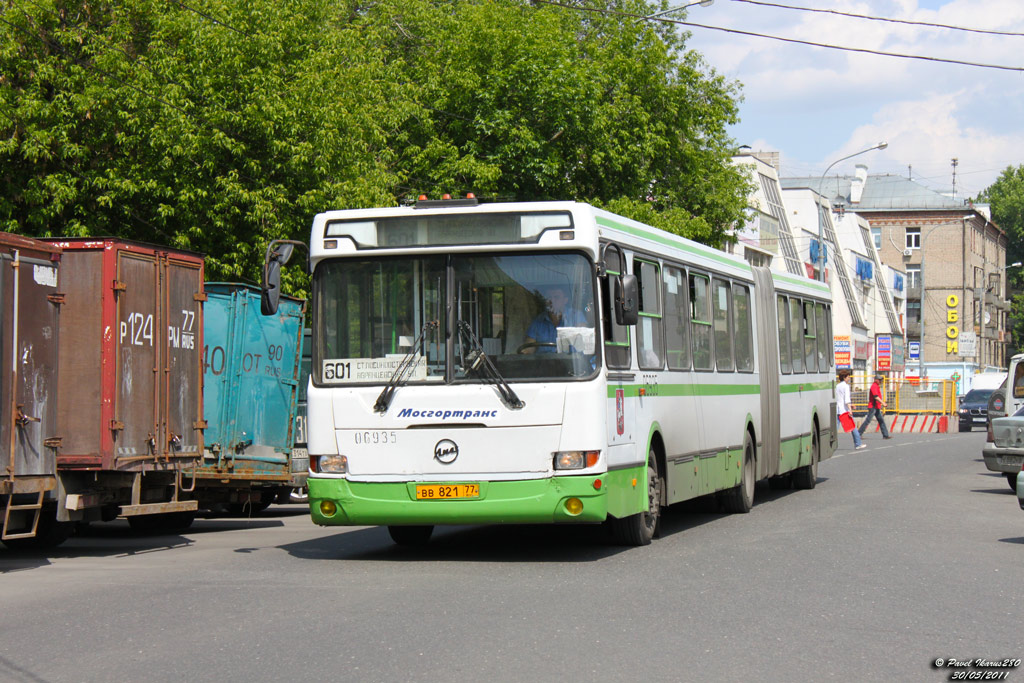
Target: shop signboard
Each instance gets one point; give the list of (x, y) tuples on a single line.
[(841, 347)]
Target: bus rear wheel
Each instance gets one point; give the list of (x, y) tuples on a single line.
[(411, 535), (807, 476), (741, 498), (639, 529)]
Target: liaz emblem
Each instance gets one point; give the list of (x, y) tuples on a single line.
[(445, 451)]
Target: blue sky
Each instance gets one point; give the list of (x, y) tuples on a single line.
[(814, 105)]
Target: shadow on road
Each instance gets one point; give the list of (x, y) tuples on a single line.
[(513, 542), (106, 539), (1003, 491)]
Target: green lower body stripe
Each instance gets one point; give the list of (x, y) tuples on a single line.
[(531, 501)]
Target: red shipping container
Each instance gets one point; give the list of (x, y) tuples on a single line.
[(131, 345)]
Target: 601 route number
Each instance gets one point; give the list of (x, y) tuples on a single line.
[(337, 370)]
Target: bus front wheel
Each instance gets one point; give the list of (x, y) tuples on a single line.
[(411, 535), (640, 528)]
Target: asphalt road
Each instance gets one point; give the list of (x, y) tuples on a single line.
[(905, 553)]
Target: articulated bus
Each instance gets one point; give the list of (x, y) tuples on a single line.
[(550, 362)]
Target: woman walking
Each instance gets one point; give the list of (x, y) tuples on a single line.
[(843, 407)]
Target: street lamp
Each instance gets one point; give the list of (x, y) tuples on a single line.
[(821, 227), (702, 3)]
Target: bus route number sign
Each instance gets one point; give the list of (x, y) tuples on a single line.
[(375, 370)]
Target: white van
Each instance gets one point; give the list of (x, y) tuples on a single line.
[(1006, 401)]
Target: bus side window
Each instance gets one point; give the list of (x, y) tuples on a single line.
[(616, 337), (677, 328), (722, 304), (810, 341), (700, 321), (823, 338), (796, 334), (649, 344), (783, 314), (1018, 381), (744, 343)]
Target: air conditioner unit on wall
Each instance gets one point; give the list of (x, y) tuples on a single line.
[(907, 252)]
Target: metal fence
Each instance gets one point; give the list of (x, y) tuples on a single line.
[(906, 396)]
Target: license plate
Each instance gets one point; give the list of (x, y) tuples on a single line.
[(447, 491), (1011, 460)]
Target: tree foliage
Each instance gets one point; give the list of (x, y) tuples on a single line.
[(1006, 196), (217, 125)]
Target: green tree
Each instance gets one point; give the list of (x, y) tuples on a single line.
[(546, 102), (1006, 196), (214, 132), (218, 125)]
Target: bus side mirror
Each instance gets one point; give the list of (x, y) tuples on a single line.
[(271, 287), (626, 299), (279, 252)]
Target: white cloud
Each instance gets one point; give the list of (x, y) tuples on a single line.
[(815, 105)]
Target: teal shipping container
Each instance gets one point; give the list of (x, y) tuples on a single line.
[(251, 370)]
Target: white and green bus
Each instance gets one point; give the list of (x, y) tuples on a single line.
[(550, 362)]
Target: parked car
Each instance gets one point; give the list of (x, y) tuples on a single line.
[(973, 409), (1005, 452), (1020, 489)]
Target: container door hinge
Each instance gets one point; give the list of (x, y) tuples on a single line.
[(53, 442), (56, 298), (116, 425), (199, 424), (119, 286), (201, 296)]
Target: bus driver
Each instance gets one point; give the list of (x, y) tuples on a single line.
[(542, 332)]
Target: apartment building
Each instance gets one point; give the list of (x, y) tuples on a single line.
[(954, 260), (782, 232)]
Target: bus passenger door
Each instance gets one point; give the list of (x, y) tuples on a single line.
[(623, 385)]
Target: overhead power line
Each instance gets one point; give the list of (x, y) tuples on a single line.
[(886, 19), (829, 46)]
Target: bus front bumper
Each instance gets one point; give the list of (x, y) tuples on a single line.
[(534, 501)]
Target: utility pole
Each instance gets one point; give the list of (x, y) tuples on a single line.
[(955, 163)]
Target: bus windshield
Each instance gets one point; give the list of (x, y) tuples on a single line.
[(532, 314)]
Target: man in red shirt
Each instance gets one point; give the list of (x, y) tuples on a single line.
[(875, 405)]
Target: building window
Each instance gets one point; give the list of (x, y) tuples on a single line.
[(876, 234), (913, 238), (913, 312), (913, 277), (757, 258)]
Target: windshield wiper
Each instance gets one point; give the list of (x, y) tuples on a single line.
[(477, 361), (402, 372)]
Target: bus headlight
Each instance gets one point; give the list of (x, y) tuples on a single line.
[(576, 460), (331, 464)]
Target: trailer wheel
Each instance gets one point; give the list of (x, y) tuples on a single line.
[(411, 535), (640, 528), (49, 533), (807, 476), (163, 523), (251, 507)]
